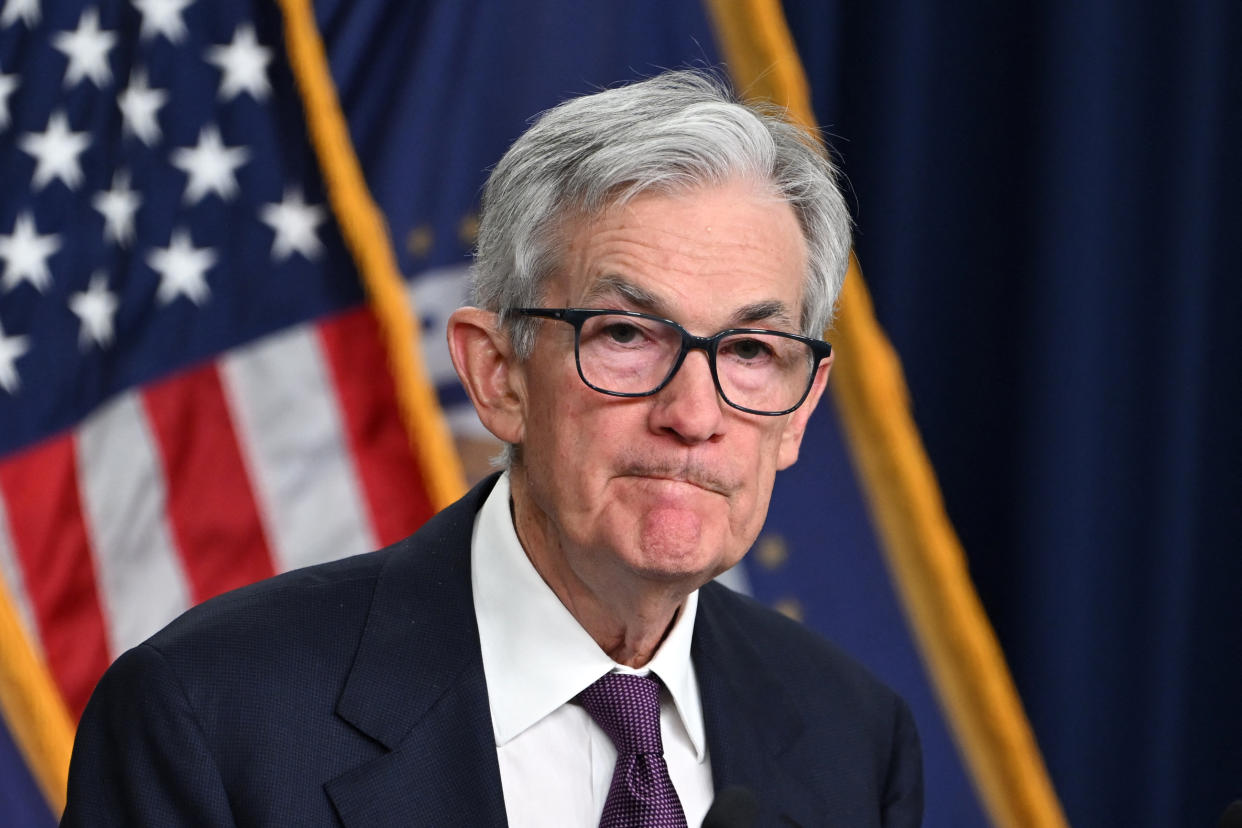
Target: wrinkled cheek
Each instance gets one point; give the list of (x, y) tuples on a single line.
[(746, 521)]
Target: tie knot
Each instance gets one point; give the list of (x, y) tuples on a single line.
[(627, 708)]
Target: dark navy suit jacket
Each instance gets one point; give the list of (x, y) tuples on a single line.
[(353, 693)]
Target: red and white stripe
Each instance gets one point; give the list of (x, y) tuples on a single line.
[(123, 494), (283, 453), (303, 475)]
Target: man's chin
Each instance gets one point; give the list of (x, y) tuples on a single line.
[(673, 547)]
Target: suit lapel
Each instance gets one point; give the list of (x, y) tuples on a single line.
[(417, 688), (749, 722)]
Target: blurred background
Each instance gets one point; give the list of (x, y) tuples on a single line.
[(1048, 205)]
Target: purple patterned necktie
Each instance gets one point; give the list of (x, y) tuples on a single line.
[(627, 708)]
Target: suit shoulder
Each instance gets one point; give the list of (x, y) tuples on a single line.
[(825, 712), (790, 651), (298, 620)]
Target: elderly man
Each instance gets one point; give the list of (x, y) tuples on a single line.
[(655, 262)]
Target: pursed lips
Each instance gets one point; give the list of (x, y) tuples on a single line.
[(703, 482)]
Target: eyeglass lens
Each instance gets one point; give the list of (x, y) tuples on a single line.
[(633, 355)]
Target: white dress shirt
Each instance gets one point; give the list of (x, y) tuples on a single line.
[(555, 763)]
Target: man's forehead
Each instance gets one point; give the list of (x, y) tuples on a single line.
[(720, 255), (612, 290)]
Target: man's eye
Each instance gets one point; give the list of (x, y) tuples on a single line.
[(622, 333), (748, 349)]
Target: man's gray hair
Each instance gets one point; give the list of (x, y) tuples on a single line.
[(669, 134)]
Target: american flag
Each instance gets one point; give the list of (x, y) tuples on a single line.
[(192, 393)]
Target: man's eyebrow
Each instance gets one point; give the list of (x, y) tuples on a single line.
[(613, 286), (769, 311)]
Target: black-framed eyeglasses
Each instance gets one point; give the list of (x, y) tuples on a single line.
[(630, 354)]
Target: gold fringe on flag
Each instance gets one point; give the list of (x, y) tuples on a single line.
[(366, 234), (32, 708)]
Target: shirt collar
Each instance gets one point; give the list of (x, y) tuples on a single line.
[(536, 656)]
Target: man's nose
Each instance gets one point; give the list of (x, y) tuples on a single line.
[(689, 407)]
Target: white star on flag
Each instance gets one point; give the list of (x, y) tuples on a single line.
[(139, 105), (95, 308), (11, 347), (26, 11), (87, 48), (162, 17), (243, 64), (25, 254), (8, 83), (182, 268), (56, 152), (210, 166), (294, 222), (118, 206)]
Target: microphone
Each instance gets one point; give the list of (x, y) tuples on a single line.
[(737, 807), (1231, 818)]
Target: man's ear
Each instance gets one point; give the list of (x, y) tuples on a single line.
[(487, 367), (795, 426)]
